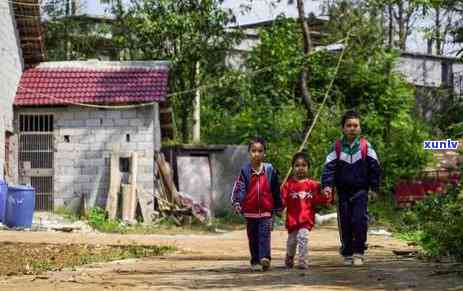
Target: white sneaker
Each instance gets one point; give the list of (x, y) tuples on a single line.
[(348, 261), (255, 267), (265, 263), (357, 260)]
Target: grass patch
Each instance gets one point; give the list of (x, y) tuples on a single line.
[(67, 214), (97, 219), (25, 258), (384, 213)]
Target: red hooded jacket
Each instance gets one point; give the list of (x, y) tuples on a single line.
[(299, 197)]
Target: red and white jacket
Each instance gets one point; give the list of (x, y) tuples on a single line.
[(300, 197)]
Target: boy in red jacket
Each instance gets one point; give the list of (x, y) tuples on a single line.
[(256, 195), (300, 195)]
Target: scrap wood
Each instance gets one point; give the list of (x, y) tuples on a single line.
[(199, 211), (66, 228), (166, 174), (146, 202), (127, 201), (404, 252)]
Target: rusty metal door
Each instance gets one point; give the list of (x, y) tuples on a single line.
[(36, 151)]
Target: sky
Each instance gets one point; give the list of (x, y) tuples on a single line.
[(262, 10)]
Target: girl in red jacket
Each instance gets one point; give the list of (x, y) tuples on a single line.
[(299, 195)]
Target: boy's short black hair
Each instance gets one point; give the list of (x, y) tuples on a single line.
[(301, 155), (256, 139), (351, 114)]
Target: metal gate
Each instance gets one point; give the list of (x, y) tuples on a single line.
[(36, 157)]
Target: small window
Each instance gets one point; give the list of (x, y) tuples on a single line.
[(124, 165), (67, 138), (127, 137)]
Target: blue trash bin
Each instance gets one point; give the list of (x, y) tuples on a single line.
[(20, 204), (3, 192)]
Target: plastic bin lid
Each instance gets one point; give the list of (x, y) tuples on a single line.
[(20, 187)]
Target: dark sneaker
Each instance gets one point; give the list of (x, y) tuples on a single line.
[(289, 262), (303, 266)]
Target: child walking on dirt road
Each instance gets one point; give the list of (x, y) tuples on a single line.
[(300, 195), (353, 168), (256, 195)]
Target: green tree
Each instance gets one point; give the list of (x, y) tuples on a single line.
[(71, 36), (186, 33), (268, 102)]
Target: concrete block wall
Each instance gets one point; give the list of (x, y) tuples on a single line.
[(10, 72), (226, 166), (83, 141)]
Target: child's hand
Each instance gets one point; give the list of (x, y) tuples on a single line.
[(237, 208), (327, 191), (372, 195)]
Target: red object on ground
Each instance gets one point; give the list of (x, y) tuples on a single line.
[(408, 192)]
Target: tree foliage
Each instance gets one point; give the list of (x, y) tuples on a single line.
[(267, 103)]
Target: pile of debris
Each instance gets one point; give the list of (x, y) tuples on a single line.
[(165, 203), (48, 221)]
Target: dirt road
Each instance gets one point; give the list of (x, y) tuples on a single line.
[(218, 262)]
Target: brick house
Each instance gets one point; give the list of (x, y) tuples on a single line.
[(65, 144)]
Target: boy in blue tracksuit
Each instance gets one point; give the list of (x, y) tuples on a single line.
[(352, 167)]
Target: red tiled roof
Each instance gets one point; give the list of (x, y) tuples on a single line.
[(60, 86)]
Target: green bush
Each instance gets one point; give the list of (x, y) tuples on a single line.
[(439, 221), (97, 218)]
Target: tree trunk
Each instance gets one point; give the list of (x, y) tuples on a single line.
[(429, 46), (391, 26), (183, 101), (437, 28), (307, 99), (184, 118), (402, 30), (197, 109)]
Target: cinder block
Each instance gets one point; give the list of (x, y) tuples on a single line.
[(135, 122), (92, 122), (113, 114), (121, 122), (89, 170), (82, 114), (76, 123), (144, 146), (108, 122), (130, 113), (67, 115)]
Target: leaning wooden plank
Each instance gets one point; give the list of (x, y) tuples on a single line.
[(133, 185), (158, 180), (126, 203), (146, 202), (26, 173), (114, 186), (166, 174)]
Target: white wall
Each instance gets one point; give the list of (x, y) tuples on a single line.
[(421, 71), (10, 72)]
